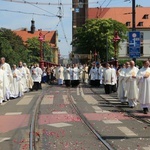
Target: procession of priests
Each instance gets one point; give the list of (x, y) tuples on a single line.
[(131, 83)]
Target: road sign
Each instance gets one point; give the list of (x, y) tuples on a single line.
[(134, 44)]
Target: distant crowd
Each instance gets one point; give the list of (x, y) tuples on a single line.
[(131, 83)]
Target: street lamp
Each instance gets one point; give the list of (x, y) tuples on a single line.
[(116, 40), (41, 38)]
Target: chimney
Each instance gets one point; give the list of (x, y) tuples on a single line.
[(32, 26)]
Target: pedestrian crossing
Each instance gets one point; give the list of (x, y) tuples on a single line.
[(25, 100)]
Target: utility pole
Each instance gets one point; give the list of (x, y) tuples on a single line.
[(133, 20)]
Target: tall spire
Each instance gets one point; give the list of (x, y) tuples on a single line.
[(32, 26)]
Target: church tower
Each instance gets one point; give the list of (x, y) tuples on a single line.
[(79, 14)]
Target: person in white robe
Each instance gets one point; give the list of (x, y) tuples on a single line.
[(6, 67), (92, 74), (143, 80), (28, 75), (74, 73), (86, 75), (67, 75), (3, 78), (60, 74), (122, 92), (114, 79), (36, 74), (16, 87), (81, 72), (108, 79), (97, 75), (22, 70), (131, 84), (101, 71)]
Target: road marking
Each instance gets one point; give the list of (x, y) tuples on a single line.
[(13, 113), (59, 112), (97, 108), (59, 125), (73, 100), (78, 93), (4, 139), (102, 111), (89, 99), (25, 100), (112, 121), (146, 148), (127, 131), (48, 99), (65, 98), (81, 90)]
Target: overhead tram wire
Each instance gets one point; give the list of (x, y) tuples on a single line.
[(39, 3), (26, 13)]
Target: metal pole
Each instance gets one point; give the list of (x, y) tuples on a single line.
[(133, 20)]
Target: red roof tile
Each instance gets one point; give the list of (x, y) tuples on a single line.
[(49, 35), (121, 14)]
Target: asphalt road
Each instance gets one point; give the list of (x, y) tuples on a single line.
[(60, 127)]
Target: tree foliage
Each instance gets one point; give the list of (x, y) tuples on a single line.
[(12, 47), (33, 45), (97, 35)]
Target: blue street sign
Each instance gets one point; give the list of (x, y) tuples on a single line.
[(134, 44)]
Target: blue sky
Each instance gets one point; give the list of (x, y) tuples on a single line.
[(16, 21)]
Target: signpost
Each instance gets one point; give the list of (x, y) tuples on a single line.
[(134, 44)]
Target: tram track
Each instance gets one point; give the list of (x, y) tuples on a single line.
[(87, 123)]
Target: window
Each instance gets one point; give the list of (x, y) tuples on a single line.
[(140, 24), (146, 16), (128, 23)]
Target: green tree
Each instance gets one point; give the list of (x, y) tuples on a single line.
[(33, 46), (97, 35), (12, 47)]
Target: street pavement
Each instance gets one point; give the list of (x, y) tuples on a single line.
[(60, 127)]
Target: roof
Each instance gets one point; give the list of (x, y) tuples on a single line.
[(49, 35), (122, 14)]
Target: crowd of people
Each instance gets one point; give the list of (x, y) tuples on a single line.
[(131, 83)]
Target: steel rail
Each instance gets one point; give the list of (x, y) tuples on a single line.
[(88, 124), (32, 145)]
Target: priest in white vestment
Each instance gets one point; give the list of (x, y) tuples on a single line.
[(6, 67), (131, 84), (3, 78), (143, 80), (86, 75), (122, 93), (114, 79), (16, 87), (92, 74), (28, 75), (67, 75), (74, 73), (60, 74), (23, 77), (108, 79)]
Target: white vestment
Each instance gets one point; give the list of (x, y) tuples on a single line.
[(144, 87), (16, 87), (74, 73), (107, 76), (67, 73), (86, 75), (92, 73), (114, 76), (9, 78), (23, 78), (131, 86), (3, 78), (101, 71), (122, 93), (60, 75), (29, 78)]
